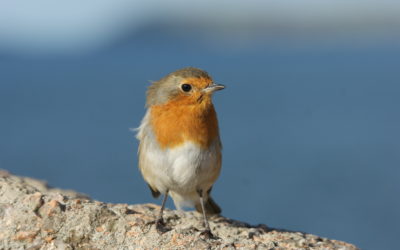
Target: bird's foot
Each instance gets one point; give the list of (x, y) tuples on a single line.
[(208, 235), (161, 226)]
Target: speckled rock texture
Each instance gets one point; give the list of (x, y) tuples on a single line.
[(34, 216)]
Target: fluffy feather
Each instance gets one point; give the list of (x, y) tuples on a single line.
[(180, 148), (182, 170)]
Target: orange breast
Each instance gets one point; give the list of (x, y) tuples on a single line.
[(175, 123)]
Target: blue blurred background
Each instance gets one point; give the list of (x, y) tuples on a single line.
[(309, 120)]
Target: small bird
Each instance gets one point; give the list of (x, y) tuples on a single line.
[(180, 147)]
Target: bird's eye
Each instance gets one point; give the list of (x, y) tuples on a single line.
[(186, 87)]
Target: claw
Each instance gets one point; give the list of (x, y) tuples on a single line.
[(208, 235), (162, 227)]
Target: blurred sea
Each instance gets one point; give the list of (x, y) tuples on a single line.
[(311, 133)]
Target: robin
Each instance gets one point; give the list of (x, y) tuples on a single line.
[(180, 146)]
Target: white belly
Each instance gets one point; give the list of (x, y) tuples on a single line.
[(182, 169)]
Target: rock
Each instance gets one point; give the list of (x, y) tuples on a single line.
[(35, 216)]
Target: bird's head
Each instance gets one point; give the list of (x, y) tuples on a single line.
[(187, 86)]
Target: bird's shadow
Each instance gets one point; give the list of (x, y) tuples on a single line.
[(259, 227)]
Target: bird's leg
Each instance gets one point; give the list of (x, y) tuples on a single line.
[(160, 224), (207, 231), (160, 220)]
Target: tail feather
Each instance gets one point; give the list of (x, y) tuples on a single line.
[(210, 206)]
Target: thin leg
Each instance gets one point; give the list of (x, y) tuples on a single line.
[(206, 232), (160, 216), (160, 224), (207, 226)]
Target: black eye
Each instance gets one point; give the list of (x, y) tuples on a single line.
[(186, 87)]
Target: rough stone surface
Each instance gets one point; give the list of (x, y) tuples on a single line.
[(34, 216)]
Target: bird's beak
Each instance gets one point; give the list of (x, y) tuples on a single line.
[(213, 87)]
